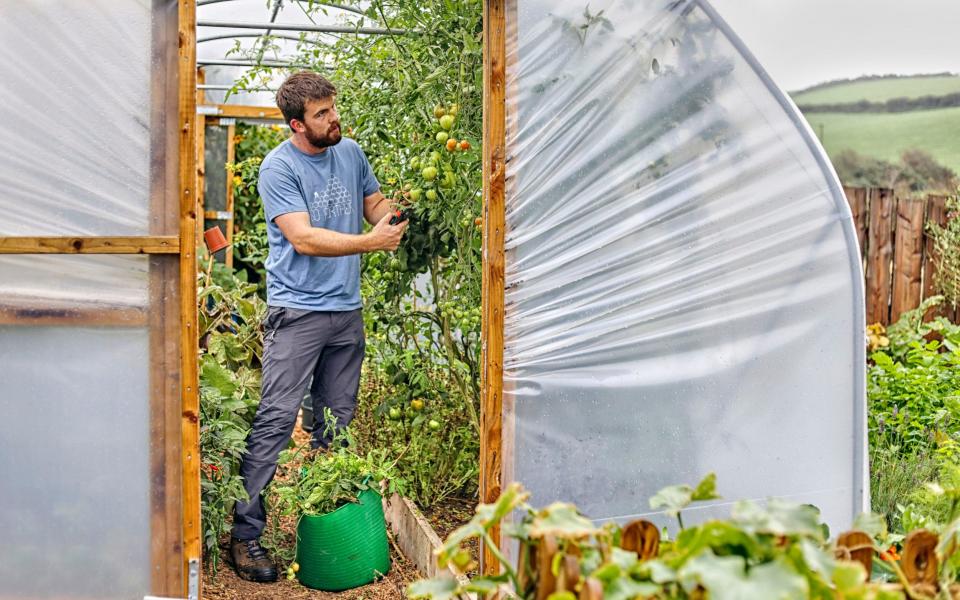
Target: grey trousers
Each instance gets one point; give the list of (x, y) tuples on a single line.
[(297, 345)]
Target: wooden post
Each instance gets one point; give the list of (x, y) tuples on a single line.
[(908, 257), (231, 156), (857, 199), (190, 409), (880, 243), (494, 152), (201, 164)]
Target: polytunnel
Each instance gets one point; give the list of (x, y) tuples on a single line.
[(98, 441), (680, 277)]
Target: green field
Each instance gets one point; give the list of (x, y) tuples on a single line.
[(881, 90), (886, 135)]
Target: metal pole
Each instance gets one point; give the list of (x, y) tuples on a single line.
[(312, 28), (230, 36), (250, 63), (330, 4)]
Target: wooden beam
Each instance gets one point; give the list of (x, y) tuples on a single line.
[(201, 163), (237, 111), (494, 151), (231, 156), (14, 312), (188, 121), (157, 244)]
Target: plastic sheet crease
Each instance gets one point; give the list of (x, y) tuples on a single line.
[(683, 287)]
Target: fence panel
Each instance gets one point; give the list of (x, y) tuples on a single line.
[(907, 256), (898, 254)]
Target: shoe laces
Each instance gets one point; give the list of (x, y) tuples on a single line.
[(255, 550)]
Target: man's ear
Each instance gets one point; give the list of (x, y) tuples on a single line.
[(297, 126)]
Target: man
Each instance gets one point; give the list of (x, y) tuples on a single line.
[(317, 188)]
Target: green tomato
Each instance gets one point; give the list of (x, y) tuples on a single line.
[(394, 264), (415, 194), (446, 121), (434, 424), (395, 414), (448, 180), (434, 157), (442, 137), (431, 194), (429, 173)]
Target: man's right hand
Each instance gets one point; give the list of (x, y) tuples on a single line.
[(385, 236)]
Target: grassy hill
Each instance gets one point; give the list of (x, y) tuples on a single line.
[(886, 135), (880, 90)]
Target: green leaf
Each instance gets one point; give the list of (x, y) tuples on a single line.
[(441, 588), (215, 376), (706, 489), (485, 584), (561, 520), (779, 518), (727, 578), (673, 499), (625, 588), (872, 524)]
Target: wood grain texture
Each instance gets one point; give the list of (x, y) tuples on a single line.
[(494, 145), (237, 111), (880, 243), (163, 312), (231, 156), (857, 199), (190, 409), (907, 256), (159, 244)]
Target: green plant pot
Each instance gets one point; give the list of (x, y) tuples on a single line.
[(346, 548)]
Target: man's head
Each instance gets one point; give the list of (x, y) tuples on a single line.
[(307, 103)]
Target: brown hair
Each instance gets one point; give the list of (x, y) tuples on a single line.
[(300, 88)]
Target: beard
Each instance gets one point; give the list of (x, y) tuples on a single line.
[(322, 140)]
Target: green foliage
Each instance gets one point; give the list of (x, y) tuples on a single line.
[(878, 88), (434, 462), (329, 479), (916, 171), (946, 241), (402, 98), (885, 136), (913, 392), (252, 144), (774, 551), (231, 347)]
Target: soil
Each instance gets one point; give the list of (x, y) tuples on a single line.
[(225, 585), (448, 515), (444, 517)]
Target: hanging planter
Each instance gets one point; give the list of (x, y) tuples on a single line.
[(345, 548)]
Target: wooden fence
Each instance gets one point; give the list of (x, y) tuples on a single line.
[(896, 251)]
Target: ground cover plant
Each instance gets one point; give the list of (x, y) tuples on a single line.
[(773, 550), (913, 388)]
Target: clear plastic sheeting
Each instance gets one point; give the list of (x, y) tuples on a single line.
[(74, 461), (683, 288), (56, 280), (75, 117)]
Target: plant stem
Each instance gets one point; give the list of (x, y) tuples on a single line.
[(502, 559)]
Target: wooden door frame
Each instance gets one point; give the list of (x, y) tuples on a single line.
[(174, 400)]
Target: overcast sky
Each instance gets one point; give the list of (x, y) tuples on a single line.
[(799, 42), (804, 42)]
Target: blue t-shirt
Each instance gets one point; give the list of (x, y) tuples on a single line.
[(331, 187)]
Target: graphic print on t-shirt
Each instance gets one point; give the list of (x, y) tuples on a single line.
[(334, 201)]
